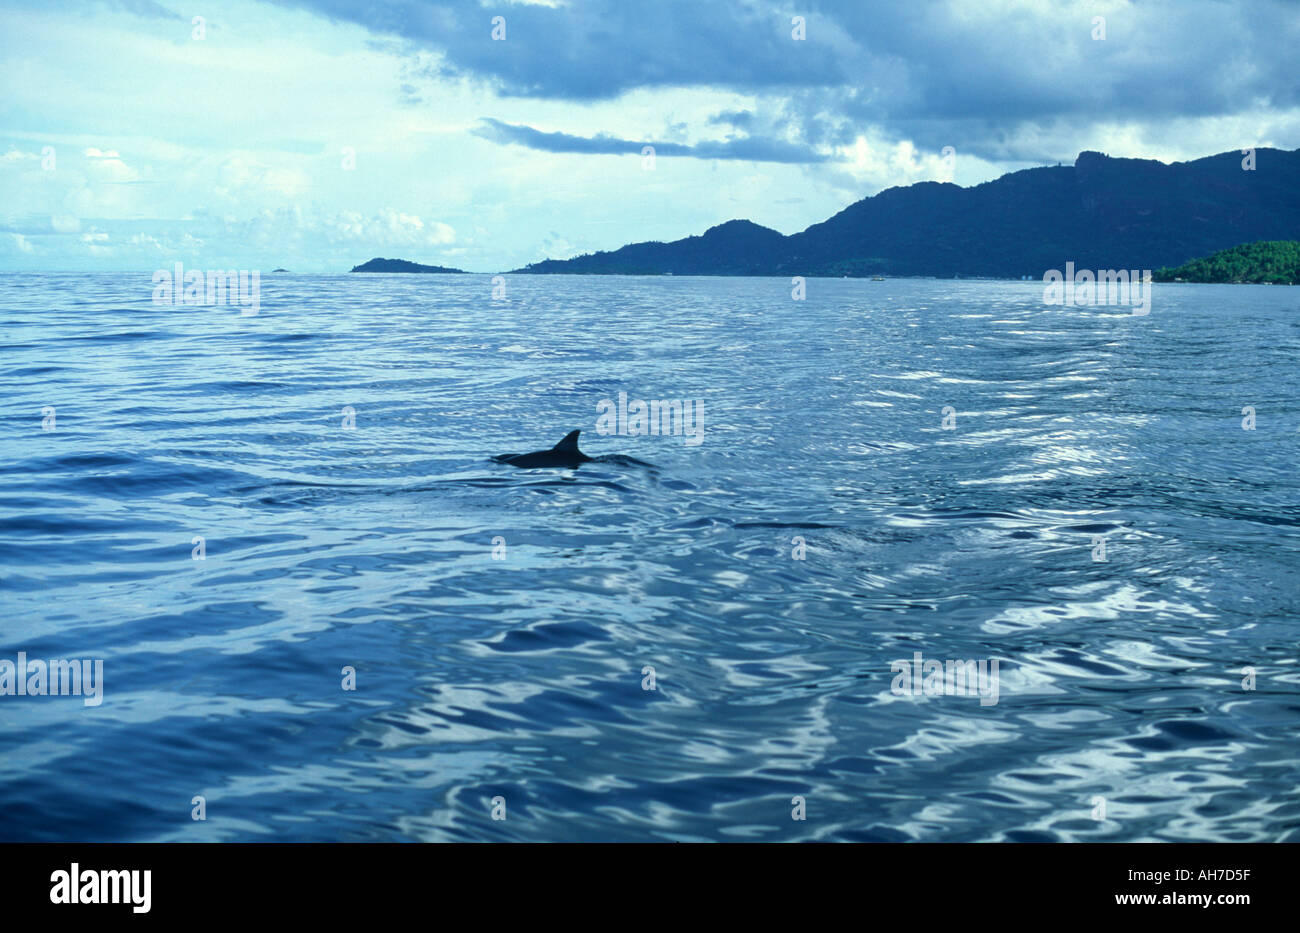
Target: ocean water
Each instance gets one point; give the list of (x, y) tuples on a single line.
[(500, 622)]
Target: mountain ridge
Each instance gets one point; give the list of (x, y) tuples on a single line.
[(1101, 212)]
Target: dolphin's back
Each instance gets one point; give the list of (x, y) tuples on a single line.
[(563, 454)]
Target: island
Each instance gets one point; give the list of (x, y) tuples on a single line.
[(399, 265), (1268, 262), (1101, 213)]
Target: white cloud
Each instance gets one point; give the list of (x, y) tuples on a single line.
[(393, 227)]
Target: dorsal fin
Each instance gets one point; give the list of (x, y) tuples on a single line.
[(570, 442)]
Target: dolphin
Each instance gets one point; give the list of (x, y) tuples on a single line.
[(565, 455)]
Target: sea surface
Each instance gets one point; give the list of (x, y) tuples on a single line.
[(501, 624)]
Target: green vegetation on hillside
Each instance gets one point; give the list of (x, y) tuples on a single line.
[(1275, 262)]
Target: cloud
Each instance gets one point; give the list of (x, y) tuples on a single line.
[(747, 149), (938, 72), (390, 227), (600, 49), (239, 177), (210, 238), (555, 246), (34, 225), (143, 8), (146, 8)]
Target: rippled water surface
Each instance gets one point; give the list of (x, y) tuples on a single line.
[(522, 678)]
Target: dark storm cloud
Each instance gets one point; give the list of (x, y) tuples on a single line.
[(600, 49), (747, 149), (928, 70)]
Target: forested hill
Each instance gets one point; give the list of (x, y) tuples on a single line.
[(1102, 213), (398, 265), (1276, 263)]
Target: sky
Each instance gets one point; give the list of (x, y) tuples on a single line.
[(314, 135)]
